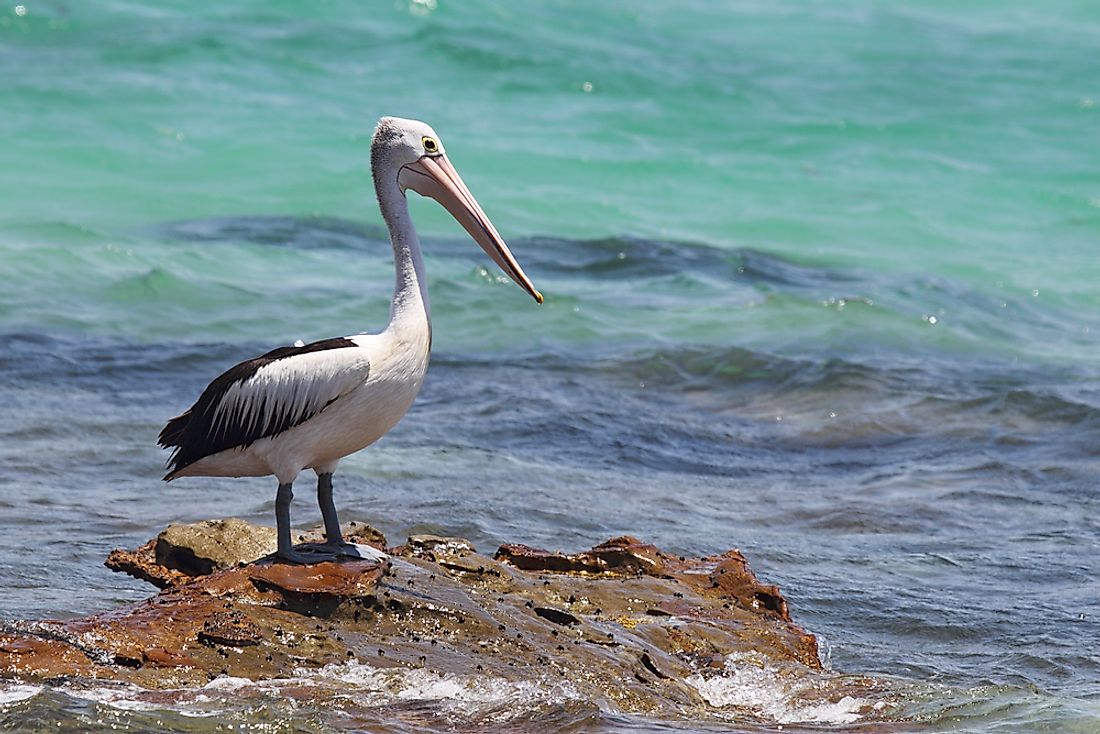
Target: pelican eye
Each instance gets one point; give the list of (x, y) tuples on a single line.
[(430, 146)]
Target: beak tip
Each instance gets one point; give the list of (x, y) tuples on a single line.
[(538, 297)]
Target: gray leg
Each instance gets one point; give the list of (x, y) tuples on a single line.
[(335, 545), (282, 517), (282, 521), (328, 510)]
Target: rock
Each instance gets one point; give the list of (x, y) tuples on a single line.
[(183, 552), (203, 547), (622, 623), (353, 532), (727, 575), (557, 616), (425, 545), (227, 628), (142, 564), (622, 555)]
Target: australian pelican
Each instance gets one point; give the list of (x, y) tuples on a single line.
[(308, 406)]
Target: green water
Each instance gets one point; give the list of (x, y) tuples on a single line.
[(955, 139), (751, 217)]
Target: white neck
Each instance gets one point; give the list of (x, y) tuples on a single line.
[(410, 308)]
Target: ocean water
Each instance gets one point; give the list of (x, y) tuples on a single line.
[(822, 279)]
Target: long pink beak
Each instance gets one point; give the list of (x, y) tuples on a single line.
[(434, 176)]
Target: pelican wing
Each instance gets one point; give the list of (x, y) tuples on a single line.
[(264, 397)]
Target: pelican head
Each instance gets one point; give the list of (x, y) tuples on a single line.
[(414, 150)]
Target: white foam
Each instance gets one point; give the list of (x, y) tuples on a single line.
[(468, 694), (16, 693), (464, 695), (228, 683), (748, 683), (126, 698)]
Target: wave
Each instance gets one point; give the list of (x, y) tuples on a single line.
[(282, 231), (743, 693), (290, 276), (616, 257), (701, 410)]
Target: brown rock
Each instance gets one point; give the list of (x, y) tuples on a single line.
[(160, 657), (424, 545), (353, 532), (211, 545), (319, 589), (622, 622), (184, 552), (622, 555), (619, 556), (229, 628), (726, 577), (142, 564)]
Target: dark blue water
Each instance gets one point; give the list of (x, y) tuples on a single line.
[(934, 517)]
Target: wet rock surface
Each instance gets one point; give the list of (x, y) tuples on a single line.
[(622, 623)]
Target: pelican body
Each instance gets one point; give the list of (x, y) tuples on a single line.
[(308, 406)]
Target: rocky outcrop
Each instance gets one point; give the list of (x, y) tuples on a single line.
[(622, 622), (183, 552)]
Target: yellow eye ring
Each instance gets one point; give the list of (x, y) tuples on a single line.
[(430, 146)]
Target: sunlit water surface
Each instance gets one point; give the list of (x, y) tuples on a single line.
[(821, 284)]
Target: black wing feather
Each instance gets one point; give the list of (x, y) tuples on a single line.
[(192, 435)]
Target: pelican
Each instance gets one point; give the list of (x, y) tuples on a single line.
[(307, 406)]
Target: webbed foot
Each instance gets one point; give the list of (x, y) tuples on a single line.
[(343, 549), (305, 556), (366, 552)]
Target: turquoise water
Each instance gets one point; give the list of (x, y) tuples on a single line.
[(821, 282)]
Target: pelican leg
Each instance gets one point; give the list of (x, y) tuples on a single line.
[(334, 538), (282, 516), (286, 550)]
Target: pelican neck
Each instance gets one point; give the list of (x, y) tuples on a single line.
[(410, 307)]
